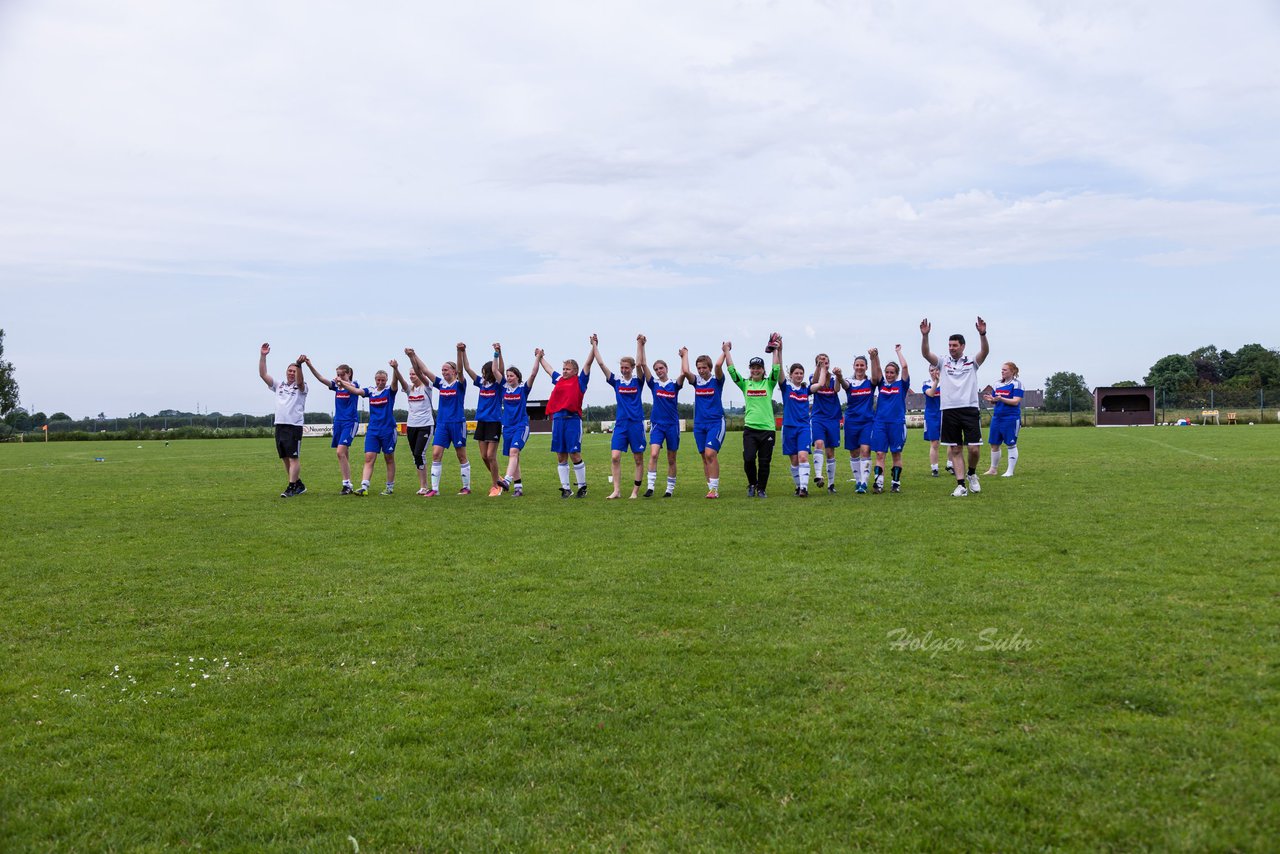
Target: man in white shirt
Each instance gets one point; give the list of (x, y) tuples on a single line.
[(958, 388), (291, 402)]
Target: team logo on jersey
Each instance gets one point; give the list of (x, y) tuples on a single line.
[(487, 392), (799, 396), (448, 392), (665, 393), (628, 389), (343, 395), (889, 389), (377, 401), (416, 398), (757, 392), (705, 391)]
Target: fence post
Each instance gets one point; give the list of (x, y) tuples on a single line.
[(1071, 417)]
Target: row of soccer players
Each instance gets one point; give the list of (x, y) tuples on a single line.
[(874, 418)]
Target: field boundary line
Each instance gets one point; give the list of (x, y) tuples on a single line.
[(1176, 448)]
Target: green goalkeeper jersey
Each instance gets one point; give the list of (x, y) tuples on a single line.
[(759, 397)]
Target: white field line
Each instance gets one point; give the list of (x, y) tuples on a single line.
[(1176, 448)]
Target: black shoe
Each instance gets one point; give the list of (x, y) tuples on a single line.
[(751, 491), (347, 489), (935, 472), (819, 482), (667, 494), (299, 488), (565, 493), (797, 490), (648, 493), (288, 492), (877, 488), (802, 492), (761, 494), (582, 491), (832, 489), (895, 487)]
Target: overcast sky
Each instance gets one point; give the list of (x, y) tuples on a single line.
[(183, 181)]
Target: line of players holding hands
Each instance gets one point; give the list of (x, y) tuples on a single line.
[(874, 417)]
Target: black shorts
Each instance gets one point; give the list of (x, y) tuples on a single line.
[(488, 431), (961, 426), (288, 440)]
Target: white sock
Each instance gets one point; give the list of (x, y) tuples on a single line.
[(436, 468), (995, 456), (714, 484), (866, 470), (580, 473), (1013, 459), (364, 484), (346, 483), (465, 471), (831, 470), (391, 484), (802, 476), (795, 474), (855, 469), (819, 462), (652, 478), (671, 484), (562, 469)]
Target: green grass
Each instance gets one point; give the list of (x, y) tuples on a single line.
[(476, 674)]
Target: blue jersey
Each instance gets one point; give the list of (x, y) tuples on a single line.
[(891, 402), (627, 392), (795, 405), (861, 398), (382, 404), (514, 401), (489, 406), (707, 406), (451, 409), (826, 401), (932, 405), (1010, 391), (665, 396), (345, 404)]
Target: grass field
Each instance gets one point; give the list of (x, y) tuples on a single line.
[(1082, 657)]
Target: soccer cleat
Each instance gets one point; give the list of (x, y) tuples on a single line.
[(860, 489), (974, 486), (347, 489), (288, 491), (877, 488), (648, 493), (802, 492), (832, 489), (950, 469), (517, 492), (713, 494), (1007, 474), (466, 490), (495, 491), (960, 491), (388, 491), (761, 494), (895, 487), (565, 492), (667, 494), (797, 490), (819, 482), (299, 488), (935, 472), (505, 484), (431, 493), (582, 492), (751, 491), (421, 492), (362, 492)]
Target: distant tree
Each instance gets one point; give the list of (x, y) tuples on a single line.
[(1208, 363), (1064, 391), (1171, 372), (59, 416), (1260, 365), (1126, 384), (18, 418), (8, 385)]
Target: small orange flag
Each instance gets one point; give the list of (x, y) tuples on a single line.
[(45, 428)]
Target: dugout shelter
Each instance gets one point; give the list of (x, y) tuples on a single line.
[(1125, 406)]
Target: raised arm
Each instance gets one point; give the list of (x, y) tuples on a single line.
[(642, 364), (903, 373), (323, 380), (537, 363), (396, 378), (981, 326), (726, 353), (354, 389), (821, 378), (499, 366), (262, 367), (604, 369), (874, 355), (593, 356), (925, 328), (419, 367), (777, 350), (840, 380), (464, 362), (542, 360), (685, 373)]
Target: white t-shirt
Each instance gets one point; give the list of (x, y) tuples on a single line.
[(291, 401), (420, 411), (958, 382)]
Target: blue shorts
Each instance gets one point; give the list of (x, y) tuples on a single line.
[(933, 428), (1003, 432), (452, 434), (888, 437), (826, 432), (668, 433), (710, 435), (796, 439), (857, 434), (380, 443), (628, 436), (566, 435), (514, 437), (344, 433)]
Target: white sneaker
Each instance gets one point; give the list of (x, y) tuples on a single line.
[(960, 492), (974, 486), (1007, 474)]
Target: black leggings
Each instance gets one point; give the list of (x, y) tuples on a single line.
[(757, 454), (418, 439)]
